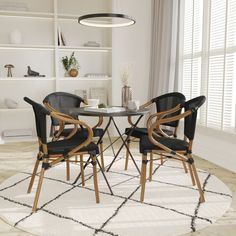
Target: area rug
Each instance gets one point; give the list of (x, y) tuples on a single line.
[(171, 205)]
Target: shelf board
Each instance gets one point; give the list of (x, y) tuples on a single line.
[(19, 139), (26, 46), (27, 14), (67, 17), (15, 109), (26, 78), (84, 78), (84, 49)]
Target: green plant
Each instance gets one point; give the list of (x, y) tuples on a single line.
[(70, 63)]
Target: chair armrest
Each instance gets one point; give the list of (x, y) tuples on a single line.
[(163, 120), (130, 121), (162, 114), (156, 125), (100, 121), (149, 103), (70, 120)]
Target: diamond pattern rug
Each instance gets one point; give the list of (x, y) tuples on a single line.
[(171, 205)]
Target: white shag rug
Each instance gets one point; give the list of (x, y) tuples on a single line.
[(171, 205)]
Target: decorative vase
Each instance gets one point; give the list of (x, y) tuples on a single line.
[(73, 72), (126, 95), (66, 74), (15, 37)]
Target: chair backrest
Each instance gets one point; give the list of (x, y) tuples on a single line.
[(190, 121), (168, 101), (62, 102), (40, 119)]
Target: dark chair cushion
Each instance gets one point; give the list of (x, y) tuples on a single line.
[(175, 144), (66, 145), (139, 132), (97, 132)]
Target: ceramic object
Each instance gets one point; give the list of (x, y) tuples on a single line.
[(133, 105), (93, 102), (11, 104), (73, 72), (15, 37)]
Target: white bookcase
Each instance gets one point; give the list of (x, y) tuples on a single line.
[(38, 23)]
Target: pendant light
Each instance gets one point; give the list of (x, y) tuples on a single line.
[(106, 20)]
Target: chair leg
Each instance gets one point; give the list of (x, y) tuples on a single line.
[(191, 174), (185, 167), (202, 198), (143, 177), (161, 157), (82, 169), (127, 155), (36, 198), (101, 153), (67, 169), (94, 162), (150, 166), (33, 176)]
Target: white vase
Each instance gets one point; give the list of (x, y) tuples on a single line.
[(15, 37)]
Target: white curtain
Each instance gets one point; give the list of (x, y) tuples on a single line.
[(164, 47)]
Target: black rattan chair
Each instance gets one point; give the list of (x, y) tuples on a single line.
[(162, 103), (176, 149), (54, 152), (62, 102)]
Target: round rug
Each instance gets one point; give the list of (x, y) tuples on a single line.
[(171, 205)]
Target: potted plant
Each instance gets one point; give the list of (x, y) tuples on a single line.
[(71, 65)]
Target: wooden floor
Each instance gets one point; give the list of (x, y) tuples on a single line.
[(15, 157)]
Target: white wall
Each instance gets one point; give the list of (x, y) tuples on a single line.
[(132, 45), (216, 146)]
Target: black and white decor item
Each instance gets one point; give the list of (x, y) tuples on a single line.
[(171, 205)]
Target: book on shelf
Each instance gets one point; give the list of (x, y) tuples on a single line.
[(60, 37), (63, 41)]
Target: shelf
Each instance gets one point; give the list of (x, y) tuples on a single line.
[(15, 109), (84, 78), (39, 24), (85, 49), (27, 47), (18, 139), (67, 17), (60, 48), (27, 14), (26, 78)]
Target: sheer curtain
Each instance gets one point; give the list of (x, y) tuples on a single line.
[(164, 47)]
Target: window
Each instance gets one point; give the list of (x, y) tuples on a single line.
[(208, 59)]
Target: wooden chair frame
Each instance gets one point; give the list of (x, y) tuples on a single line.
[(156, 115), (57, 133), (49, 161), (182, 155)]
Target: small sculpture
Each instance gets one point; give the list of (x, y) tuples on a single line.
[(31, 73), (9, 67)]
